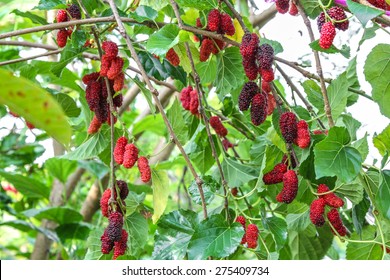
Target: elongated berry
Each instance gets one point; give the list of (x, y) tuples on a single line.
[(330, 199), (62, 37), (214, 20), (337, 223), (110, 48), (327, 35), (119, 83), (250, 67), (90, 77), (106, 64), (265, 56), (288, 126), (290, 187), (115, 68), (227, 144), (271, 104), (172, 57), (206, 48), (293, 9), (130, 156), (249, 45), (267, 75), (115, 224), (185, 97), (219, 128), (317, 209), (266, 86), (74, 11), (120, 246), (92, 95), (227, 25), (275, 175), (259, 108), (242, 221), (338, 14), (194, 102), (217, 46), (303, 135), (246, 95), (101, 111), (119, 150), (123, 189), (62, 16), (252, 234), (144, 169), (94, 126), (107, 243), (104, 202)]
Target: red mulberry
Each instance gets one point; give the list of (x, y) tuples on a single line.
[(115, 224), (194, 102), (144, 169), (115, 68), (290, 187), (185, 97), (107, 243), (246, 95), (119, 150), (119, 83), (271, 104), (303, 135), (219, 128), (338, 14), (90, 77), (92, 95), (206, 49), (317, 209), (327, 35), (62, 16), (330, 199), (214, 20), (62, 37), (94, 126), (234, 191), (249, 45), (104, 202), (226, 144), (266, 86), (293, 9), (106, 64), (172, 57), (217, 46), (337, 223), (74, 11), (110, 48), (259, 109), (282, 6), (265, 56), (130, 156), (288, 126), (252, 234), (199, 23), (242, 221), (250, 67), (120, 246), (267, 75), (275, 175), (30, 125), (123, 189), (227, 25)]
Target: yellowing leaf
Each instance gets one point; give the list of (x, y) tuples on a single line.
[(239, 32), (160, 185)]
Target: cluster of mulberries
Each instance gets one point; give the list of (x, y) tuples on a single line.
[(189, 100), (126, 154), (284, 6), (293, 131), (290, 187), (251, 96), (96, 91), (242, 221), (216, 22), (114, 236), (172, 57), (328, 28), (335, 220), (251, 234), (72, 12), (330, 199)]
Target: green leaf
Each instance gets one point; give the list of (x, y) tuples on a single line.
[(363, 13), (298, 216), (369, 33), (312, 8), (353, 191), (176, 72), (152, 66), (37, 106), (146, 93), (181, 51), (359, 212), (50, 5), (143, 13), (377, 71), (133, 201), (338, 95), (278, 228), (237, 174), (60, 168), (90, 5), (229, 71), (90, 148), (160, 42), (215, 237), (61, 215), (34, 18), (313, 91), (344, 51), (207, 70), (68, 105), (383, 194), (364, 251), (176, 119), (278, 48), (209, 186), (94, 245), (160, 186), (27, 186), (333, 156), (74, 231), (68, 55), (362, 146), (350, 123), (19, 225), (151, 123), (173, 235), (198, 4), (137, 228), (382, 141), (157, 5)]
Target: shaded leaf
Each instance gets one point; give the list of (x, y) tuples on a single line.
[(61, 215), (27, 186)]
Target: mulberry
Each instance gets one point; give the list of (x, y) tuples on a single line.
[(303, 135), (265, 56), (110, 48), (249, 45), (330, 199), (219, 128), (92, 95), (282, 6), (123, 189), (338, 14), (293, 9), (288, 126), (119, 149), (217, 46), (94, 126), (107, 243), (62, 16), (317, 209), (267, 75), (120, 246), (242, 221), (206, 49), (271, 104), (252, 234), (101, 112), (194, 102), (327, 35), (275, 175), (106, 64), (74, 11), (290, 187), (226, 144), (130, 156), (266, 86), (115, 68), (246, 95), (115, 224), (144, 169), (172, 57), (227, 25), (234, 191), (62, 37), (259, 109), (90, 77), (185, 97), (104, 202), (119, 82), (337, 223), (214, 20), (250, 67), (199, 23)]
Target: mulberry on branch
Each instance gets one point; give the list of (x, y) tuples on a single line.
[(252, 234), (119, 150), (317, 209), (288, 126), (144, 169), (219, 128), (130, 156)]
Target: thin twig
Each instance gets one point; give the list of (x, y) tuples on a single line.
[(27, 44), (236, 15), (134, 55)]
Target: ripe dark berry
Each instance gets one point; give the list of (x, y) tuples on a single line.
[(130, 156), (123, 189), (107, 243), (214, 20), (115, 224), (337, 223), (90, 77), (205, 49), (250, 67), (234, 191), (74, 11), (288, 126), (252, 234), (226, 144), (303, 135), (337, 13), (120, 246), (92, 95), (185, 97), (110, 48), (94, 126), (259, 108), (321, 20), (275, 175), (317, 209), (290, 187), (249, 45), (62, 37), (144, 169), (330, 199), (172, 57), (265, 56), (242, 221), (327, 35), (101, 112), (246, 95), (282, 6), (119, 150), (62, 16), (219, 128), (227, 25)]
